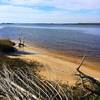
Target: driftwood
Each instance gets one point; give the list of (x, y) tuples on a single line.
[(21, 43), (88, 80), (20, 85)]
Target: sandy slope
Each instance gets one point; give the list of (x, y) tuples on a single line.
[(55, 68)]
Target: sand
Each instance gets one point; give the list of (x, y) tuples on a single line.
[(55, 68)]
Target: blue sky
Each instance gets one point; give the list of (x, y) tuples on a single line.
[(49, 11)]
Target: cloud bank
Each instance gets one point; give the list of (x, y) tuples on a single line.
[(57, 11)]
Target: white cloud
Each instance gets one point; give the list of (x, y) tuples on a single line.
[(64, 4), (19, 11), (76, 4), (26, 2)]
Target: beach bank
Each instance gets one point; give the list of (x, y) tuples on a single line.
[(56, 66)]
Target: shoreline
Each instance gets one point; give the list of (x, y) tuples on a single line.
[(89, 62), (56, 66)]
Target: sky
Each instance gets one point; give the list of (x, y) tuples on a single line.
[(49, 11)]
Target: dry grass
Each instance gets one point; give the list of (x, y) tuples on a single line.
[(19, 81)]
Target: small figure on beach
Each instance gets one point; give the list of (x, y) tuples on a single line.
[(21, 43)]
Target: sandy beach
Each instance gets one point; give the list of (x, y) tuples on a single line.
[(55, 68)]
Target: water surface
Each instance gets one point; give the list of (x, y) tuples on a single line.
[(76, 39)]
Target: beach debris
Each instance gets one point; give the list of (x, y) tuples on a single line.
[(20, 85), (21, 43), (88, 82)]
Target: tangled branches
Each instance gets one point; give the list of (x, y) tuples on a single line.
[(89, 83), (20, 85)]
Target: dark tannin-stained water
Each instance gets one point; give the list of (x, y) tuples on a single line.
[(79, 39)]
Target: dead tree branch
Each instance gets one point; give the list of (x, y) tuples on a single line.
[(89, 79)]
